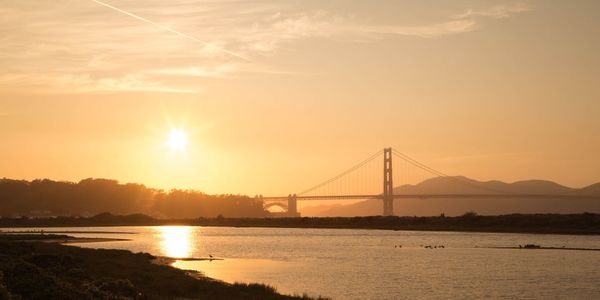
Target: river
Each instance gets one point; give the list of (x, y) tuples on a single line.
[(374, 264)]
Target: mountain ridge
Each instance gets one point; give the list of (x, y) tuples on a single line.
[(465, 185)]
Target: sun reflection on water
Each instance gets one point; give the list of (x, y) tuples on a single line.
[(176, 241)]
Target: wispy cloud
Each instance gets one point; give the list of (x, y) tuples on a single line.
[(211, 47), (218, 71), (85, 83), (157, 46), (427, 31), (497, 11), (268, 35)]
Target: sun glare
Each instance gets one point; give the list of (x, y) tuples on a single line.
[(176, 241), (177, 139)]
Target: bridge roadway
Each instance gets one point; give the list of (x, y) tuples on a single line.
[(430, 196)]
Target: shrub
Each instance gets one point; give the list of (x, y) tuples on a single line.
[(117, 287), (470, 214), (4, 294), (30, 282)]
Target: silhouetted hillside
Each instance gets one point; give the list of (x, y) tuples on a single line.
[(593, 189), (93, 196), (464, 185), (487, 206)]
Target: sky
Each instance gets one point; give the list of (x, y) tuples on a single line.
[(276, 96)]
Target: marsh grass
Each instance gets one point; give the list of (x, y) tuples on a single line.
[(36, 270)]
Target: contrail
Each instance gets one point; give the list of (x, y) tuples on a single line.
[(169, 29)]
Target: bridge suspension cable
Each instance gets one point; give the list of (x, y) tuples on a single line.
[(440, 174), (364, 181), (343, 174)]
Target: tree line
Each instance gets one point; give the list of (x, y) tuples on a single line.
[(44, 197)]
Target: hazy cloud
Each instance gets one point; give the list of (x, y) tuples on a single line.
[(209, 46), (219, 71), (426, 31), (79, 46), (497, 11), (83, 83)]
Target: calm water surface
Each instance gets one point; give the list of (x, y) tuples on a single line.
[(365, 264)]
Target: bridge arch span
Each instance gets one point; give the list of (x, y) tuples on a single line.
[(276, 204)]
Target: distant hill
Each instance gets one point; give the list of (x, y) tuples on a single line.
[(458, 206), (593, 189), (47, 198), (464, 185)]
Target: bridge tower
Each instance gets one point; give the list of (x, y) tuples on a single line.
[(292, 206), (388, 184)]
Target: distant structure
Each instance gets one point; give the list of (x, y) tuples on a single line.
[(388, 183), (291, 208), (361, 175)]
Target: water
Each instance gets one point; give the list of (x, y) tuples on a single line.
[(364, 264)]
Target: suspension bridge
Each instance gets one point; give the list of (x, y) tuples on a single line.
[(373, 178)]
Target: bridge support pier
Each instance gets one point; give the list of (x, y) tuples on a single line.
[(388, 184), (293, 206)]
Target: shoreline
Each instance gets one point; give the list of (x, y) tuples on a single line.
[(53, 238), (563, 224), (76, 240), (545, 248), (73, 272), (407, 228), (61, 231)]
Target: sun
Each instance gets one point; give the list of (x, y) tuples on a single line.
[(177, 139)]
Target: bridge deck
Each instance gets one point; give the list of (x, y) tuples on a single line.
[(432, 196)]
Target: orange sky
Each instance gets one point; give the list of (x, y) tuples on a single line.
[(279, 95)]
